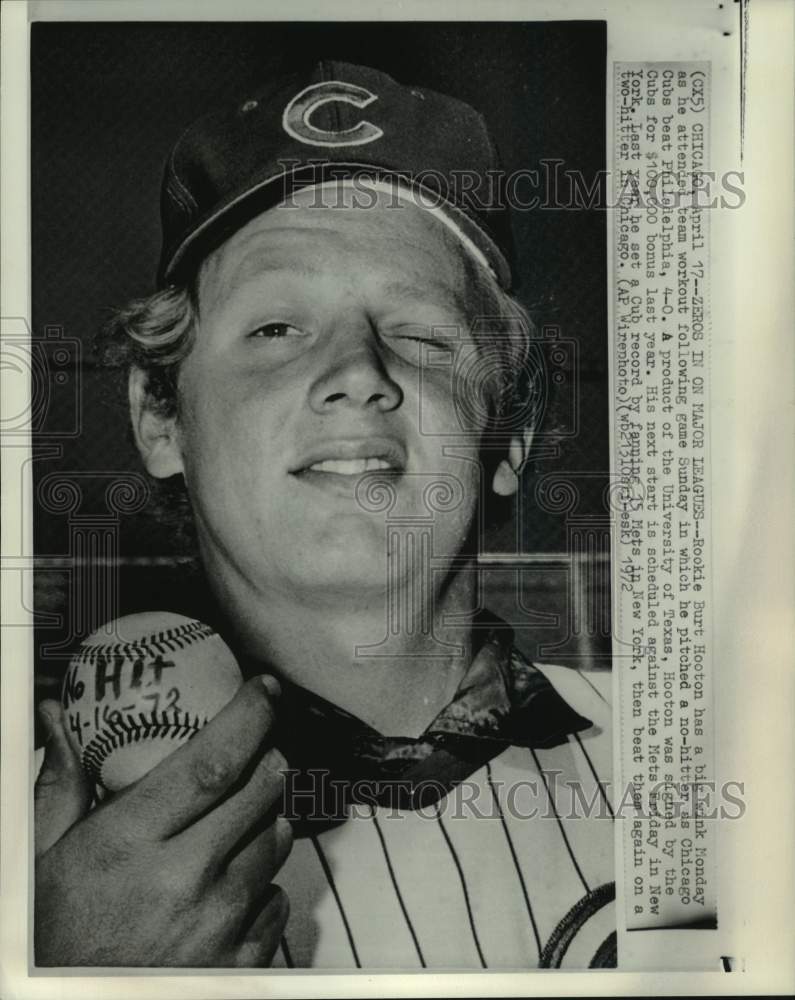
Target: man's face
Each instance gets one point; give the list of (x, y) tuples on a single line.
[(302, 394)]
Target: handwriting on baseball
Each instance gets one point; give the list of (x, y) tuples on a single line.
[(117, 678), (109, 671)]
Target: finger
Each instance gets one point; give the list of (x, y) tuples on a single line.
[(258, 862), (62, 793), (242, 888), (235, 899), (197, 775), (264, 934), (220, 830)]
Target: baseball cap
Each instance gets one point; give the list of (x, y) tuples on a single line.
[(334, 122)]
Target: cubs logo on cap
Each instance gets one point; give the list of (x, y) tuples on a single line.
[(339, 121), (297, 120)]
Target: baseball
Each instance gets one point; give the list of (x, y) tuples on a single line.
[(139, 688)]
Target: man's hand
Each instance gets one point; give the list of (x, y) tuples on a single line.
[(175, 870)]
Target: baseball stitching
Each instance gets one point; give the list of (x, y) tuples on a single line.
[(127, 729), (169, 641)]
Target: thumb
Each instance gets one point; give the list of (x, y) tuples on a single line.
[(62, 793)]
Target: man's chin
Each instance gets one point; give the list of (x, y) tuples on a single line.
[(335, 580), (349, 547)]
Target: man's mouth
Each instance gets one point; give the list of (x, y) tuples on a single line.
[(343, 459), (351, 466)]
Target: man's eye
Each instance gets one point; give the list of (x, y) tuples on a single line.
[(275, 331), (422, 335)]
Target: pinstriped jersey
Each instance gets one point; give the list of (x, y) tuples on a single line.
[(512, 869)]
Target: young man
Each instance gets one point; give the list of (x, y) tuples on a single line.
[(335, 369)]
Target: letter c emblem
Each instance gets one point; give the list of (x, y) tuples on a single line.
[(296, 118)]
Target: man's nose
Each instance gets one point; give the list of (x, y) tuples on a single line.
[(355, 377)]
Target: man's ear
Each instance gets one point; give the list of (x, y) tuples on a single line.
[(155, 433), (506, 476)]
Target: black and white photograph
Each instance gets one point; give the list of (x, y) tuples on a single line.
[(377, 493), (360, 520)]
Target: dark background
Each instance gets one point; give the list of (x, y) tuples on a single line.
[(109, 100)]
